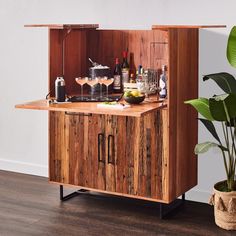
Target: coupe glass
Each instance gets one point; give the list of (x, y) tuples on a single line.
[(81, 81), (91, 83), (108, 82), (101, 82)]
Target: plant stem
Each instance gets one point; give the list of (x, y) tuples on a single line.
[(225, 163), (230, 181)]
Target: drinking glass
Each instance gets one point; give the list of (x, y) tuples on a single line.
[(81, 81), (108, 82), (100, 81), (91, 83)]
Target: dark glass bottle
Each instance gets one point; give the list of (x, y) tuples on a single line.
[(125, 68), (132, 68), (117, 75)]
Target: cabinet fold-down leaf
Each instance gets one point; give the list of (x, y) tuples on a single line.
[(91, 107)]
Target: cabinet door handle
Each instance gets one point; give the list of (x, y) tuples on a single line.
[(110, 153), (78, 113), (101, 139)]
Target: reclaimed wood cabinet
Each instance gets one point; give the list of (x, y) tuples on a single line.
[(145, 151)]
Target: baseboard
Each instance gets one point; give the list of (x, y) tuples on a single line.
[(23, 167), (198, 195)]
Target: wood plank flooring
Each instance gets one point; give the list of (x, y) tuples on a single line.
[(29, 205)]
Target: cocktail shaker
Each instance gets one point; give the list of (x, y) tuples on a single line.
[(60, 89)]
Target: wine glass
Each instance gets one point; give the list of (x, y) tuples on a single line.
[(81, 81), (107, 82), (91, 83)]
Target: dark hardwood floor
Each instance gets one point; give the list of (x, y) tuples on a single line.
[(29, 205)]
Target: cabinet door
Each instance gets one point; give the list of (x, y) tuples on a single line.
[(77, 149), (121, 149), (137, 155)]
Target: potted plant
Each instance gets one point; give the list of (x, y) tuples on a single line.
[(222, 109)]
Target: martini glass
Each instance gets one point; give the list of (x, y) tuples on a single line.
[(81, 81)]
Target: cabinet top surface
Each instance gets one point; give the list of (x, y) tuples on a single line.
[(65, 26), (186, 26), (91, 107), (96, 26)]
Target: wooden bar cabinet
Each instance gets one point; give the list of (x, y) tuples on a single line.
[(145, 151)]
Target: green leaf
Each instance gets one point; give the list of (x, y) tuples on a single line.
[(211, 128), (204, 147), (231, 47), (223, 107), (224, 80), (202, 106)]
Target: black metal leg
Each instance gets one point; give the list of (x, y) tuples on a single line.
[(71, 195), (167, 210)]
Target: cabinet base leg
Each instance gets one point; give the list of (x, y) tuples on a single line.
[(71, 195), (167, 210)]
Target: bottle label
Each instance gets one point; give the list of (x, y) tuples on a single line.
[(125, 75), (162, 84), (117, 82)]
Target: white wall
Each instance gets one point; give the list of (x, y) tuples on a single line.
[(23, 66)]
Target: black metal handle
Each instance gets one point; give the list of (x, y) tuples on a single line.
[(78, 113), (110, 153), (101, 140)]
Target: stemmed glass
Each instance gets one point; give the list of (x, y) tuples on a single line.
[(101, 82), (91, 83), (108, 82), (81, 81)]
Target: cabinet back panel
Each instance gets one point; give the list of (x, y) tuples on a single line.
[(149, 48)]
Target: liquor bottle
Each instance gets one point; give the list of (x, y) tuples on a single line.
[(132, 78), (139, 73), (132, 68), (117, 75), (125, 68), (163, 83)]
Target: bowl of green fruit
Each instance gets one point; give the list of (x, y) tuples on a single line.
[(134, 97)]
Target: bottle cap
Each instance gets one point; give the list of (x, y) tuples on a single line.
[(125, 54), (139, 69), (117, 60), (60, 81)]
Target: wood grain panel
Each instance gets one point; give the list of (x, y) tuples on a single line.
[(55, 58), (56, 147), (148, 47), (135, 165), (111, 124), (75, 59), (153, 155), (183, 85), (105, 45), (74, 154)]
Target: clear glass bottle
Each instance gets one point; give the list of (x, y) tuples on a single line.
[(163, 83)]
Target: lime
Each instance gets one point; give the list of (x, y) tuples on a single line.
[(128, 94), (135, 93)]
